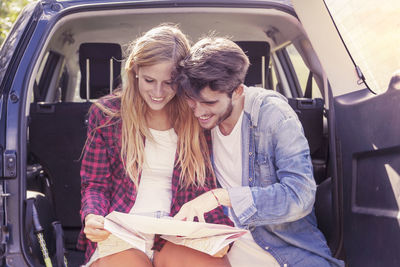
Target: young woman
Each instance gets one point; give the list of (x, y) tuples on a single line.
[(145, 154)]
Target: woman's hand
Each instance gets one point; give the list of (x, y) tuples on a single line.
[(203, 204), (94, 228)]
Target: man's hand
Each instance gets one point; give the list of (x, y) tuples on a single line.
[(203, 204), (94, 228)]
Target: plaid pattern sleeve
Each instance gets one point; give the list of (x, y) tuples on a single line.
[(180, 196), (95, 170), (105, 187)]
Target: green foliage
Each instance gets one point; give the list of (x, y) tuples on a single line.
[(9, 10)]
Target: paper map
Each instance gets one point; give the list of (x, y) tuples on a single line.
[(206, 237)]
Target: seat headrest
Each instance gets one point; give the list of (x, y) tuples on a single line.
[(99, 56), (255, 50)]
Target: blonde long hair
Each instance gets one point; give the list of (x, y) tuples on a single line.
[(162, 43)]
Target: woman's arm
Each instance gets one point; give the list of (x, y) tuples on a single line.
[(95, 180)]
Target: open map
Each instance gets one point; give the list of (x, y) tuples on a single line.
[(206, 237)]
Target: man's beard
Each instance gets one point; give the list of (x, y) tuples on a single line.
[(227, 113)]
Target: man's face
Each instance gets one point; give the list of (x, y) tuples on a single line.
[(211, 108)]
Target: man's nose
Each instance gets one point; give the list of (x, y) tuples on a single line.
[(195, 106), (191, 103), (198, 110)]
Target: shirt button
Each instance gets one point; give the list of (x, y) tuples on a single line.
[(250, 179), (266, 248), (285, 265), (250, 153)]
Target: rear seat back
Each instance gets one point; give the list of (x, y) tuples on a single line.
[(100, 65), (310, 113), (258, 54), (57, 132)]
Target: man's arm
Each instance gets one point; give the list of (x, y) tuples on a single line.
[(292, 197)]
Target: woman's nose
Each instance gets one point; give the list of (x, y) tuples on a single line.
[(158, 89)]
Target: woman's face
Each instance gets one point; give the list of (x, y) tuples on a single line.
[(155, 84)]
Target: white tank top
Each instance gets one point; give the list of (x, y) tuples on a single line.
[(154, 193)]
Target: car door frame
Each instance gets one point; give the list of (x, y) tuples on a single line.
[(365, 143), (16, 52)]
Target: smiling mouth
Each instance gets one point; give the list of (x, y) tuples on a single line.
[(204, 118), (157, 99)]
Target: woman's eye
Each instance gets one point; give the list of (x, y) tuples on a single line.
[(148, 80), (168, 83)]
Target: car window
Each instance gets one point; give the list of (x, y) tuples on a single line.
[(279, 78), (47, 82), (289, 74), (302, 72), (371, 32)]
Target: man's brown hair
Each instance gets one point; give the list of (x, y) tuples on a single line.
[(215, 62)]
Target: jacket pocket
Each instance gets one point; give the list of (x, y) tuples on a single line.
[(264, 174)]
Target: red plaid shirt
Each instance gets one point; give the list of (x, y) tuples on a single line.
[(105, 186)]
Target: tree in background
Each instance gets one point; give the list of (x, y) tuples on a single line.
[(9, 10)]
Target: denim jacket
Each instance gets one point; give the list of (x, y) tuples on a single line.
[(277, 195)]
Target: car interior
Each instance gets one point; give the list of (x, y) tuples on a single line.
[(82, 60)]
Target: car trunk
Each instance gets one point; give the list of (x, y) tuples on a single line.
[(79, 58)]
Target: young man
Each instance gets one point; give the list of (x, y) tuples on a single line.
[(261, 160)]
